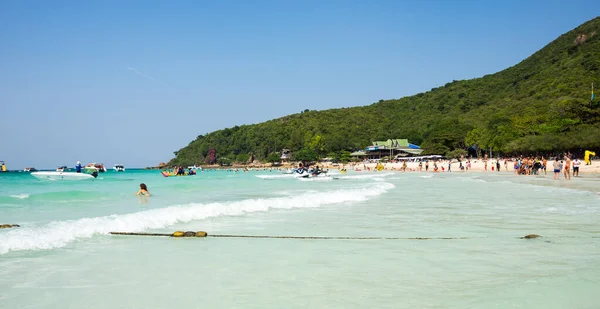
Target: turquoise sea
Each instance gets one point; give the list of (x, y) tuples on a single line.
[(63, 256)]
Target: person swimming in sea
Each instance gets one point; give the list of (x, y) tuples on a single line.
[(143, 190)]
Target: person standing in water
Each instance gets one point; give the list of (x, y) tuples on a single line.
[(143, 190), (576, 164), (544, 163), (556, 165), (567, 169)]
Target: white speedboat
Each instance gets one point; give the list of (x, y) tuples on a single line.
[(119, 168), (64, 175)]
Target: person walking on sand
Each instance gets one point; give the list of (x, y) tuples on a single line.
[(567, 170), (556, 166)]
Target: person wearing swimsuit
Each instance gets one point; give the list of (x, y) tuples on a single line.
[(143, 190), (567, 169), (556, 166)]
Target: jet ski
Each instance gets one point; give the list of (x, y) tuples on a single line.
[(309, 173)]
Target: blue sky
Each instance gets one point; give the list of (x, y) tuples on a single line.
[(130, 82)]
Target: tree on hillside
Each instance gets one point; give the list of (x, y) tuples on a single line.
[(273, 157), (242, 158), (211, 157), (306, 155), (317, 143)]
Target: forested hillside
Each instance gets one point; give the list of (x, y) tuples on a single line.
[(541, 104)]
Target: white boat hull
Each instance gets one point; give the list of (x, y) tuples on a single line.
[(62, 176)]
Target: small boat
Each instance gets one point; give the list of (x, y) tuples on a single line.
[(64, 175), (95, 166), (3, 166), (29, 169), (172, 174), (62, 168), (119, 168)]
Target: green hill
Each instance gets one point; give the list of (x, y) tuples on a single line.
[(539, 105)]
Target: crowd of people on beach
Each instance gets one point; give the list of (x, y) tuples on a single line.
[(566, 165), (535, 166)]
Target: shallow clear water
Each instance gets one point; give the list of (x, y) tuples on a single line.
[(63, 257)]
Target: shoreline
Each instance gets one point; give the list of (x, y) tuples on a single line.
[(476, 166)]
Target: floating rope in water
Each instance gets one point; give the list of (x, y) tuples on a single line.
[(204, 234), (335, 237), (174, 234)]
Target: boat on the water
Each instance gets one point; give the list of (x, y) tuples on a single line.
[(119, 168), (95, 166), (64, 175), (62, 168), (177, 174), (2, 166), (29, 169)]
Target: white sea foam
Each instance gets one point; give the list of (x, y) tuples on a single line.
[(275, 176), (366, 176), (323, 178), (60, 233), (21, 196)]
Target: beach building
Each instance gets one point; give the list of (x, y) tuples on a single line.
[(390, 148), (286, 155), (360, 154)]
